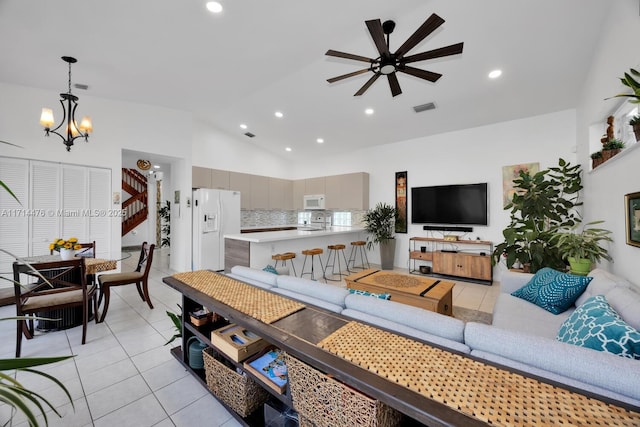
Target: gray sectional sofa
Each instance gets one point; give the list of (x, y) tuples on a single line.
[(522, 336)]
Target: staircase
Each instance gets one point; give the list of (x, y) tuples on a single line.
[(135, 208)]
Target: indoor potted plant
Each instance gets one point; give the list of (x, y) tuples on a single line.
[(379, 222), (542, 204), (582, 248), (611, 148), (596, 159), (629, 80), (635, 124)]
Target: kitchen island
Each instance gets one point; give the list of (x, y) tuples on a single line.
[(255, 249)]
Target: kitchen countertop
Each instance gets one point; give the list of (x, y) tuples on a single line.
[(275, 236)]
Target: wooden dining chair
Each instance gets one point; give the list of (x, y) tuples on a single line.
[(139, 276), (65, 288)]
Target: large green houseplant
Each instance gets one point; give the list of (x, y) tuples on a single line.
[(630, 80), (542, 204), (379, 223), (581, 246)]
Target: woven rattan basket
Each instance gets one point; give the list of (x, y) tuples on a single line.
[(322, 401), (239, 392)]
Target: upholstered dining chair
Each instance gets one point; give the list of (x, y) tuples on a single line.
[(139, 276), (65, 288)]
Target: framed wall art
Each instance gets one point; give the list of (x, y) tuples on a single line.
[(509, 173), (401, 202), (632, 209)]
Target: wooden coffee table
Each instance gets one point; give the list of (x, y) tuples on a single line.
[(429, 294)]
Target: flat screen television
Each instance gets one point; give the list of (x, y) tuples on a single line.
[(463, 204)]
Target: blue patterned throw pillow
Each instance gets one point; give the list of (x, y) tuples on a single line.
[(270, 269), (596, 325), (552, 290), (370, 294)]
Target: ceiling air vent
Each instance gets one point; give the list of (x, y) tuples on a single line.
[(81, 86), (249, 134), (424, 107)]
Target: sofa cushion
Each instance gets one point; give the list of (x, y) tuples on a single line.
[(552, 290), (254, 277), (601, 284), (270, 269), (596, 325), (330, 293), (406, 330), (626, 302), (414, 317), (597, 368), (369, 294), (308, 299), (516, 314)]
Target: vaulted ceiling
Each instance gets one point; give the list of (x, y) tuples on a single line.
[(258, 57)]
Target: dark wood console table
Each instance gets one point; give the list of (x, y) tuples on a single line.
[(300, 333)]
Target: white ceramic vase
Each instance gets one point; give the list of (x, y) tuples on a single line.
[(67, 254)]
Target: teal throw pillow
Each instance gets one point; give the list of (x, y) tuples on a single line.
[(552, 290), (270, 269), (596, 325), (371, 294)]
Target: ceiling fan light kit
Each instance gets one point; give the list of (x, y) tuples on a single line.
[(388, 63)]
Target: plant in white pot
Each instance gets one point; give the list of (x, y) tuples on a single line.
[(379, 222), (582, 248)]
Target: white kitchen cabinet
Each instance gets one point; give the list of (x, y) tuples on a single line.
[(259, 192)]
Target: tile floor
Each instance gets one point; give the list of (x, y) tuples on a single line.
[(124, 375)]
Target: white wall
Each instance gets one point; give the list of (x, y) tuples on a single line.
[(117, 125), (215, 149), (461, 157), (606, 186)]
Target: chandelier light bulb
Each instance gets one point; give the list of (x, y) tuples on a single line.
[(46, 118)]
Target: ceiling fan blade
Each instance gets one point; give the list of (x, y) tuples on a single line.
[(427, 27), (345, 76), (393, 84), (454, 49), (335, 53), (377, 34), (426, 75), (367, 85)]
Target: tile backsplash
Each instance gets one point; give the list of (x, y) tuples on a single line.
[(269, 218)]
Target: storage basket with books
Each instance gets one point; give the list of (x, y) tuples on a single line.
[(239, 392)]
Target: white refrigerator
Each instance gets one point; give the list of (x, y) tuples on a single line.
[(215, 213)]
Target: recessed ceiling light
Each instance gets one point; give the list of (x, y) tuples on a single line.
[(214, 7), (319, 140), (156, 166), (243, 126), (495, 74), (368, 111), (288, 149), (279, 114)]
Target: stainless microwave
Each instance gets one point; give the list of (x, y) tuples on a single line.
[(314, 201)]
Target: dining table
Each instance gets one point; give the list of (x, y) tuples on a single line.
[(70, 317)]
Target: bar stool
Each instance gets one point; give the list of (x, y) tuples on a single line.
[(283, 258), (313, 252), (357, 247), (335, 250)]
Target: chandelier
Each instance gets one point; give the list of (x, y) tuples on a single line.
[(71, 130)]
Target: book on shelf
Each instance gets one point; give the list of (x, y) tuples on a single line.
[(269, 366)]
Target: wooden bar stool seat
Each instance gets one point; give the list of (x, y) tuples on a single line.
[(358, 248), (283, 258), (335, 250), (313, 253)]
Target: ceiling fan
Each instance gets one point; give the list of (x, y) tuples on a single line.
[(389, 63)]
